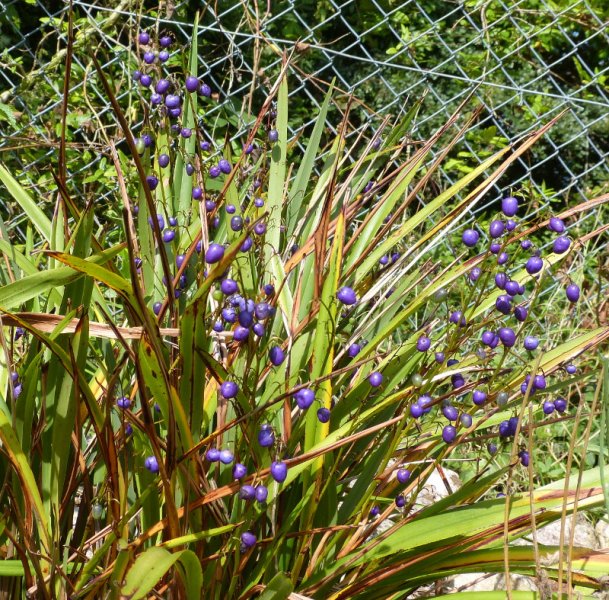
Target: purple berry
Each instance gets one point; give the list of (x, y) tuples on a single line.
[(346, 295), (521, 313), (504, 429), (449, 433), (457, 381), (246, 318), (239, 471), (266, 437), (229, 389), (470, 237), (540, 382), (205, 90), (526, 244), (224, 166), (466, 420), (353, 350), (172, 101), (261, 493), (323, 414), (512, 288), (495, 247), (169, 235), (571, 369), (247, 492), (273, 136), (503, 258), (123, 402), (151, 464), (304, 398), (143, 37), (548, 407), (191, 83), (500, 280), (439, 357), (229, 314), (229, 286), (258, 329), (423, 343), (276, 355), (165, 41), (560, 404), (375, 379), (496, 229), (226, 457), (572, 292), (491, 448), (416, 411), (561, 244), (260, 228), (534, 265), (450, 412), (556, 225), (162, 87), (510, 225), (156, 308), (479, 397), (524, 458), (163, 56), (507, 336), (488, 337), (214, 253), (185, 132), (400, 501), (504, 304), (247, 244), (530, 342), (241, 333), (375, 511), (509, 206), (149, 57), (214, 171), (262, 311), (236, 223), (403, 475), (457, 318), (279, 471), (152, 182), (163, 160), (212, 455), (475, 273)]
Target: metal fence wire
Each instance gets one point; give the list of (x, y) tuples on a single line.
[(525, 60)]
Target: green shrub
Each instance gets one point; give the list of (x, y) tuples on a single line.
[(123, 341)]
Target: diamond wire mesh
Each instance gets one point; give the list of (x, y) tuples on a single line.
[(385, 52)]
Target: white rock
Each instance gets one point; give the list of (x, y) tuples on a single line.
[(435, 488), (488, 582), (602, 534), (585, 536)]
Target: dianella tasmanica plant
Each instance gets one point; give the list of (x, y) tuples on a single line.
[(226, 389)]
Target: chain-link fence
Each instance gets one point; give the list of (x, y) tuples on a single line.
[(526, 61)]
